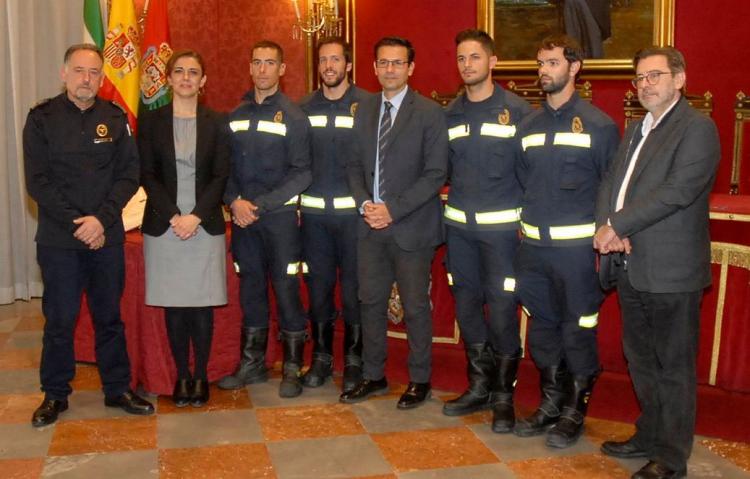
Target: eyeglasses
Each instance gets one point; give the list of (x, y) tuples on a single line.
[(651, 77), (383, 63)]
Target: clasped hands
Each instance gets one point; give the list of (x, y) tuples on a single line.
[(90, 231), (244, 212), (185, 226), (377, 215), (606, 241)]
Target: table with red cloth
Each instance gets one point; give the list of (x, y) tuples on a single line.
[(723, 361)]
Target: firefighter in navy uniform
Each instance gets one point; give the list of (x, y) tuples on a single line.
[(270, 167), (81, 167), (482, 221), (329, 215), (567, 145)]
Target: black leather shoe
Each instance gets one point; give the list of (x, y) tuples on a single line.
[(624, 450), (131, 403), (47, 412), (415, 395), (654, 470), (199, 395), (365, 389), (181, 393)]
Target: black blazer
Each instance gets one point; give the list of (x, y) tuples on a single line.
[(159, 170), (417, 159), (665, 213)]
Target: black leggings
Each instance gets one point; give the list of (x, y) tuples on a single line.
[(184, 324)]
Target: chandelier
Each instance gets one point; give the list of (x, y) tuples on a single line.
[(321, 19)]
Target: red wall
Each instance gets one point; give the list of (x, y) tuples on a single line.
[(710, 36), (223, 33)]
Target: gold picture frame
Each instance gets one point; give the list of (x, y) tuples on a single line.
[(619, 66)]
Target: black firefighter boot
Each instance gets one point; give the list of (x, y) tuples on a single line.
[(552, 382), (293, 343), (503, 413), (570, 426), (322, 356), (480, 368), (352, 356), (252, 367)]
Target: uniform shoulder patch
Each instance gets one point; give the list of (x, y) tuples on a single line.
[(119, 107), (41, 103)]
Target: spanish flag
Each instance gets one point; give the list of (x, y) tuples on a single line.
[(155, 53), (122, 58)]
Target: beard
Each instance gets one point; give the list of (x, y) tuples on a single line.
[(554, 85), (335, 81), (84, 94)]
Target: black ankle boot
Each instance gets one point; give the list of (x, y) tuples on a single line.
[(199, 396), (570, 426), (322, 356), (503, 412), (552, 382), (293, 343), (480, 369), (252, 367), (352, 356), (181, 392)]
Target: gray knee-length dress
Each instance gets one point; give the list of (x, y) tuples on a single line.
[(189, 273)]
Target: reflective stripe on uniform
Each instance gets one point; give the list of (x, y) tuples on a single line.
[(318, 121), (292, 200), (271, 127), (537, 139), (509, 284), (459, 131), (292, 268), (239, 125), (498, 131), (454, 214), (312, 201), (530, 231), (450, 279), (498, 217), (581, 140), (344, 122), (236, 267), (589, 321), (572, 231), (344, 202)]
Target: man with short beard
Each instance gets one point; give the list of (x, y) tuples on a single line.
[(567, 145), (81, 166), (482, 221), (330, 216)]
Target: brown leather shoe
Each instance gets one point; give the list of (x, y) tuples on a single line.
[(48, 411), (654, 470), (415, 395)]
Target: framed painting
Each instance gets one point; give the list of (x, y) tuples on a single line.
[(609, 31)]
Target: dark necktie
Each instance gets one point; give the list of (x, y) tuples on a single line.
[(385, 128)]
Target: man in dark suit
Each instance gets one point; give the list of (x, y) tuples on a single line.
[(397, 169), (652, 219)]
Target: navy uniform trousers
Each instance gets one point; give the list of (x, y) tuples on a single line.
[(330, 246), (269, 247), (481, 267), (559, 287), (66, 274)]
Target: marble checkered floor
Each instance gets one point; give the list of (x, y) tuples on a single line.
[(253, 433)]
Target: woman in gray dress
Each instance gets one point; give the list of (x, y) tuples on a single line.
[(184, 152)]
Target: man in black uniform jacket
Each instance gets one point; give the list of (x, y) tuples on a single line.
[(81, 168)]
